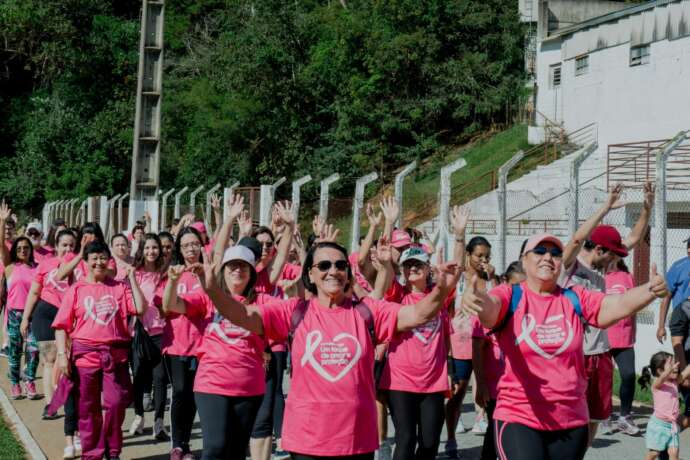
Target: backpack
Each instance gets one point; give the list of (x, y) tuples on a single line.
[(301, 310), (516, 296)]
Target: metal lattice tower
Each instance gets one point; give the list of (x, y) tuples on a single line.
[(146, 149)]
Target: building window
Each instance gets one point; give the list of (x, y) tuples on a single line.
[(639, 55), (556, 75), (582, 65)]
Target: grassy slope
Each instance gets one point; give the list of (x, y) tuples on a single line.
[(421, 189), (10, 448), (644, 396)]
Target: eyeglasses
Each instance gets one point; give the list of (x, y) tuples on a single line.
[(267, 244), (191, 246), (416, 265), (23, 248), (325, 265), (541, 251)]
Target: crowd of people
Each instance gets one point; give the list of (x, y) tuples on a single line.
[(223, 317)]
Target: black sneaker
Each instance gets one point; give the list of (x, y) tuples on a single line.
[(4, 351), (47, 416)]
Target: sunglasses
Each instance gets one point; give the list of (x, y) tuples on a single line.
[(416, 265), (267, 244), (325, 265), (556, 253)]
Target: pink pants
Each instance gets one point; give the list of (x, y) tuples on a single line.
[(98, 430)]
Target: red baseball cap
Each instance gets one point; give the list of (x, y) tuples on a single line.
[(199, 227), (400, 239), (608, 237)]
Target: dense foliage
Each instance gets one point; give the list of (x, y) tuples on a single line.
[(252, 90)]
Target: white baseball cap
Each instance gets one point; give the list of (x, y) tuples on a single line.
[(238, 252), (36, 226)]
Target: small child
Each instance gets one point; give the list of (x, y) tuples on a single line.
[(662, 428)]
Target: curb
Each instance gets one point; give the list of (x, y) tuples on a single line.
[(20, 429)]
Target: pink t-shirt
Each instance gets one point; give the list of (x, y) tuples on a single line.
[(461, 335), (263, 286), (331, 409), (95, 314), (544, 383), (151, 285), (81, 270), (417, 358), (52, 291), (42, 253), (666, 405), (493, 361), (181, 334), (230, 357), (18, 286), (621, 334)]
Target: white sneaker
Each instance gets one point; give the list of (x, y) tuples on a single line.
[(480, 426), (606, 427), (137, 425), (77, 444), (385, 452), (627, 425), (68, 453), (460, 428)]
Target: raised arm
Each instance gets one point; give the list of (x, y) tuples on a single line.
[(384, 269), (245, 225), (391, 212), (363, 261), (459, 216), (640, 229), (217, 214), (5, 213), (575, 244), (237, 313), (669, 366), (411, 316), (616, 307), (478, 302), (171, 302), (66, 269), (236, 206), (285, 219), (140, 303)]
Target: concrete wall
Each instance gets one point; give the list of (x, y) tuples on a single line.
[(564, 13)]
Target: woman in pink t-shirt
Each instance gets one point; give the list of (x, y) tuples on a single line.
[(74, 268), (148, 266), (42, 305), (94, 314), (229, 384), (181, 338), (19, 270), (542, 391), (122, 249), (331, 408), (622, 340)]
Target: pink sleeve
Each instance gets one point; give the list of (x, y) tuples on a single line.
[(111, 264), (478, 331), (395, 293), (502, 292), (197, 304), (64, 319), (385, 317), (128, 300), (276, 318), (40, 273), (590, 302)]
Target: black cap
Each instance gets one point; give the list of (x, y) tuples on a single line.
[(253, 245)]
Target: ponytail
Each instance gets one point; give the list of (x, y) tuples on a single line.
[(645, 379)]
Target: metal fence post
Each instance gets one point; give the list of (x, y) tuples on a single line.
[(227, 193), (659, 255), (357, 207), (210, 192), (323, 198), (503, 172), (164, 208), (83, 210), (110, 230), (296, 186), (444, 202), (267, 197), (72, 212), (178, 197), (573, 191), (192, 199), (399, 180), (120, 215)]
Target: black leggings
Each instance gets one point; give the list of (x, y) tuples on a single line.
[(181, 372), (226, 424), (269, 420), (418, 420), (369, 456), (489, 448), (625, 360), (519, 442), (144, 378)]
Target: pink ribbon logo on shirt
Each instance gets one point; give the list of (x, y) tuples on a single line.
[(335, 353), (58, 285), (102, 311), (426, 332), (548, 334), (228, 332)]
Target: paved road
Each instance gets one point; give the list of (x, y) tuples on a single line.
[(48, 435)]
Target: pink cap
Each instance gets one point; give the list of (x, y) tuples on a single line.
[(199, 227), (535, 240), (400, 239)]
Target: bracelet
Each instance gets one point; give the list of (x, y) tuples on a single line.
[(460, 240), (61, 353)]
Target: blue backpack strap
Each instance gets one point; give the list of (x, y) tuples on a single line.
[(368, 317), (515, 298), (575, 300)]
